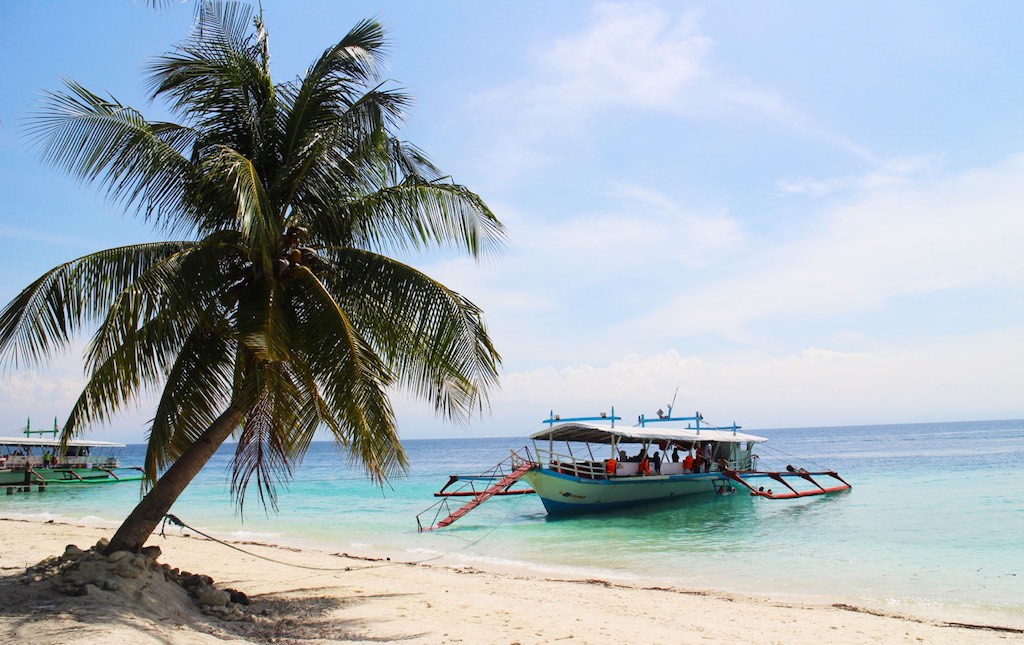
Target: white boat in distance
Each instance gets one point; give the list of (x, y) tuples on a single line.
[(28, 461), (587, 464)]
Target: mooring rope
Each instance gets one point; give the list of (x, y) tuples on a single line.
[(792, 457), (173, 519)]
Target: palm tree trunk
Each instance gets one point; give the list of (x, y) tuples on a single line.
[(137, 528)]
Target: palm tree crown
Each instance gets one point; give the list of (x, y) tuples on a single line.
[(280, 311)]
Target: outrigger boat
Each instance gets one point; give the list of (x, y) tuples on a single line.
[(584, 465), (27, 461)]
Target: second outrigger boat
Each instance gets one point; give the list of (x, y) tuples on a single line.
[(586, 464), (28, 461)]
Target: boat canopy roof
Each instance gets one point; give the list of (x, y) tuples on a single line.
[(55, 443), (594, 433)]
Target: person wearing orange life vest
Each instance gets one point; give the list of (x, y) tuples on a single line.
[(688, 463)]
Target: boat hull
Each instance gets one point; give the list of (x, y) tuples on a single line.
[(564, 494)]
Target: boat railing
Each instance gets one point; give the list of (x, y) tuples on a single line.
[(570, 465), (22, 462), (106, 463)]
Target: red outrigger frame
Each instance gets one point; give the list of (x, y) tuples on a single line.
[(737, 476)]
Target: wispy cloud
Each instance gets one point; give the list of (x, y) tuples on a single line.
[(952, 232), (812, 387), (630, 59), (887, 174), (46, 237)]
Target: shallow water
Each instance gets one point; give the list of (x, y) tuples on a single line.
[(934, 524)]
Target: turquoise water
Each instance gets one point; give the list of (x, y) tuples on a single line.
[(934, 524)]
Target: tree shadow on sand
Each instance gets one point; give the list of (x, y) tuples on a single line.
[(296, 618), (32, 611)]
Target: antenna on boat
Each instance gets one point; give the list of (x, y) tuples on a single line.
[(673, 403)]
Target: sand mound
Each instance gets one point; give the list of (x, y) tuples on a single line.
[(130, 589)]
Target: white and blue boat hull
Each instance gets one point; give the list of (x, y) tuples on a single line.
[(567, 494)]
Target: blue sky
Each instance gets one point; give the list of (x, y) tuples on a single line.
[(796, 213)]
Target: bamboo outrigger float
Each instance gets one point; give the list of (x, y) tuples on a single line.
[(583, 465)]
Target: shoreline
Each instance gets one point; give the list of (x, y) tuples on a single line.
[(348, 598)]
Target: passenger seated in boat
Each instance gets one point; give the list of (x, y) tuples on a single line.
[(645, 466), (688, 463), (657, 462)]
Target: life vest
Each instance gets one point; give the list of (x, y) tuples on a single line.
[(611, 465), (645, 467)]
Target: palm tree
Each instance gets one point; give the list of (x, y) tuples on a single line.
[(280, 312)]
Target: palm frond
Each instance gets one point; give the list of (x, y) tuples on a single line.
[(271, 440), (414, 215), (184, 282), (142, 165), (336, 145), (433, 338), (42, 318), (353, 379), (195, 391), (244, 204)]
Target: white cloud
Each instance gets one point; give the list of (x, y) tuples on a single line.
[(51, 390), (632, 60), (935, 380), (631, 55), (889, 174), (954, 232), (565, 279), (41, 394)]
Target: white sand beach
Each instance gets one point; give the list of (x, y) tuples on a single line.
[(319, 597)]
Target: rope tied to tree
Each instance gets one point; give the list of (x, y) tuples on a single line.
[(174, 520)]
